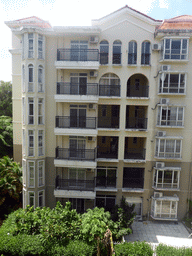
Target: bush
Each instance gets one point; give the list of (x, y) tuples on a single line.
[(165, 250), (132, 249)]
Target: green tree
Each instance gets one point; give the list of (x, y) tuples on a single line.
[(10, 185), (5, 98), (6, 136)]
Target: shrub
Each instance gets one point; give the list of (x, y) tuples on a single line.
[(132, 249), (164, 250)]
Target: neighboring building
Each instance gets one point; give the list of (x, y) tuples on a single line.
[(104, 111)]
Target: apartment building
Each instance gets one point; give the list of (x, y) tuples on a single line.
[(104, 111)]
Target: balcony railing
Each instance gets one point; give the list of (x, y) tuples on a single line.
[(168, 155), (72, 184), (75, 122), (135, 153), (77, 88), (108, 122), (109, 90), (133, 182), (103, 152), (106, 182), (142, 92), (77, 54), (177, 123), (104, 58), (75, 154), (137, 123), (167, 184), (172, 88)]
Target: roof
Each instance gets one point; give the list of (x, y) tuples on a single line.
[(183, 22)]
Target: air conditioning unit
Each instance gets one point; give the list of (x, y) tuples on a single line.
[(165, 67), (93, 74), (161, 134), (164, 101), (93, 39), (160, 165), (156, 47), (158, 194)]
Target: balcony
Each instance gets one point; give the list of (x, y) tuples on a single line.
[(108, 116), (108, 122), (143, 93), (106, 152), (109, 90), (135, 153), (77, 58), (137, 123), (133, 185), (71, 188), (106, 183), (137, 86)]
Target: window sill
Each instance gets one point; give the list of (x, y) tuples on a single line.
[(132, 65), (174, 60), (172, 94), (169, 126)]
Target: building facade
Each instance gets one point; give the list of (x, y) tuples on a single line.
[(104, 111)]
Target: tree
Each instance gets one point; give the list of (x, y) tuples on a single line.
[(6, 136), (10, 185), (5, 98)]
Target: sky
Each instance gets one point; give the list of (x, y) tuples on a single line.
[(75, 13)]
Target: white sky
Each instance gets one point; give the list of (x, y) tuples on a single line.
[(75, 13)]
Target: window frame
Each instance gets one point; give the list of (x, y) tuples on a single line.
[(167, 51), (41, 179), (162, 185), (132, 53), (40, 113), (40, 78), (104, 53), (165, 122), (31, 106), (31, 148), (105, 197), (31, 170), (30, 78), (163, 86), (30, 45), (40, 49), (154, 208), (145, 60), (31, 192), (23, 78), (115, 60), (43, 198), (163, 154), (41, 143)]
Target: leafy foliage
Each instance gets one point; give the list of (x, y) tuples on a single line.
[(5, 99), (164, 250), (10, 185), (132, 249), (6, 136)]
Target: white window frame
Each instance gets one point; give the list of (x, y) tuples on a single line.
[(24, 172), (104, 51), (43, 198), (24, 143), (40, 78), (168, 121), (23, 46), (31, 143), (40, 142), (41, 175), (162, 214), (132, 49), (31, 108), (162, 185), (31, 173), (30, 78), (144, 53), (40, 120), (31, 194), (23, 110), (23, 78), (167, 88), (117, 43), (30, 46), (183, 54), (168, 155), (40, 47)]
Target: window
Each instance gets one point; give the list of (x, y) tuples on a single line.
[(40, 143), (79, 50), (76, 178), (170, 116), (31, 143), (78, 84), (104, 52), (109, 85), (30, 111), (77, 204), (30, 78), (117, 52), (41, 178), (23, 46), (145, 53), (106, 177), (133, 178), (164, 209), (132, 53), (31, 199), (168, 148), (31, 174), (40, 111), (172, 83), (77, 147), (175, 49), (78, 116), (30, 44), (23, 78), (166, 179), (105, 201), (40, 47), (41, 198), (40, 79)]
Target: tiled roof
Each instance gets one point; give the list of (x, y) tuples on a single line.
[(183, 22), (32, 21)]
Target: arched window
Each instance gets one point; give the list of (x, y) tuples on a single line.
[(132, 53), (30, 78), (104, 52), (109, 85), (145, 53), (117, 52), (40, 79)]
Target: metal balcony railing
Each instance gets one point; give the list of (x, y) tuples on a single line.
[(109, 90), (137, 123), (116, 58), (135, 153), (172, 88), (142, 92), (75, 154), (106, 182), (177, 123), (104, 58), (75, 122), (103, 152), (167, 183), (72, 184), (65, 54), (108, 122), (133, 182), (77, 88)]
